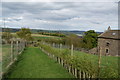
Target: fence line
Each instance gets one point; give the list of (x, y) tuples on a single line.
[(70, 68), (10, 52)]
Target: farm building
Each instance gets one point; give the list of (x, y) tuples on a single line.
[(109, 42)]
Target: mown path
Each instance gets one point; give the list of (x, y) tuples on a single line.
[(35, 64)]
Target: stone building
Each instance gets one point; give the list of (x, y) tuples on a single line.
[(109, 43)]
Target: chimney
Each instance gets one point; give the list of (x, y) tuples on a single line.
[(109, 28)]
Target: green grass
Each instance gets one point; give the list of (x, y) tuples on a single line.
[(33, 63)]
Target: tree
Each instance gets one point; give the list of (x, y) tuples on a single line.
[(73, 39), (90, 39), (7, 35), (25, 34)]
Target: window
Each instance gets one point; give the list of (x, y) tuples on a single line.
[(107, 51), (107, 44), (113, 33)]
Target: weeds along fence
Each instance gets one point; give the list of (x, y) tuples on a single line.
[(80, 69), (80, 64), (68, 47), (10, 52)]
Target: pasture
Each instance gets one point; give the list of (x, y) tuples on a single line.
[(42, 37)]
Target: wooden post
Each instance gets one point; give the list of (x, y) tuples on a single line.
[(75, 72), (58, 60), (23, 45), (60, 47), (17, 47), (53, 44), (69, 68), (20, 45), (88, 76), (11, 51), (72, 50), (99, 62), (83, 74), (62, 61), (79, 74), (72, 70)]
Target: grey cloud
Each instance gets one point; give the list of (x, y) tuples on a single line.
[(62, 15)]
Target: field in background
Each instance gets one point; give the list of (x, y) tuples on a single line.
[(39, 36)]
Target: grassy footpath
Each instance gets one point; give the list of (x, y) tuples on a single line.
[(35, 64)]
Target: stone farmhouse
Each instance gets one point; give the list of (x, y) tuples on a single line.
[(108, 43)]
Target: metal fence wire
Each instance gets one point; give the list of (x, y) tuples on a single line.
[(10, 52)]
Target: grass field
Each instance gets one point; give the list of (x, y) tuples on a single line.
[(39, 36), (33, 63)]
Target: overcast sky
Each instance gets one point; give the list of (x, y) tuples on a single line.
[(61, 15)]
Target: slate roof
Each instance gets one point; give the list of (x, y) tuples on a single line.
[(111, 34)]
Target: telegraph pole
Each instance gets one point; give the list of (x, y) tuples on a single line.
[(4, 25)]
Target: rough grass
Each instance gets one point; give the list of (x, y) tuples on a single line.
[(33, 63)]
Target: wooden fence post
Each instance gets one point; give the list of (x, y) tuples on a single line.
[(62, 62), (69, 68), (11, 51), (23, 45), (88, 76), (83, 74), (72, 50), (72, 70), (53, 44), (80, 74), (58, 60), (99, 62), (20, 45), (17, 47), (75, 72)]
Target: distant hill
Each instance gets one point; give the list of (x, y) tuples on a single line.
[(51, 31), (77, 32)]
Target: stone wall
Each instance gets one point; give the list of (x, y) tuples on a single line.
[(108, 46)]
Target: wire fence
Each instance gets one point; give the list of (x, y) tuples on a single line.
[(10, 52), (55, 45)]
